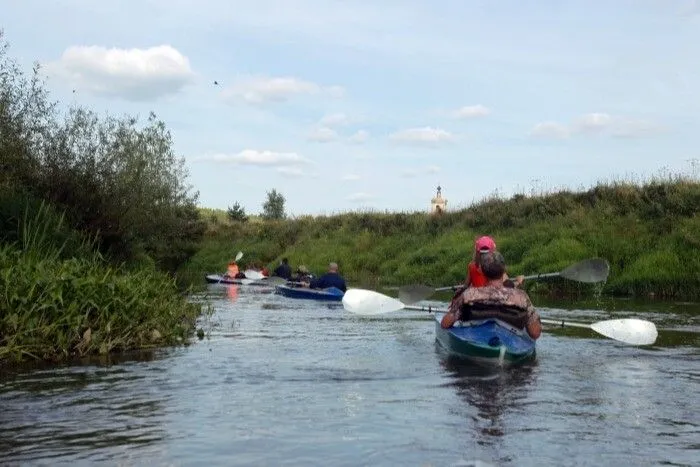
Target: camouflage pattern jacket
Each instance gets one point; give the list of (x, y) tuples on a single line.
[(511, 305)]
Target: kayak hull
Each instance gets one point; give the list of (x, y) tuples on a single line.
[(331, 294), (219, 279), (488, 342)]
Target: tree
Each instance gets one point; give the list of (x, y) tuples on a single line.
[(117, 179), (237, 213), (273, 208)]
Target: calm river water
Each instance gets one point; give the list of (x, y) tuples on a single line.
[(292, 382)]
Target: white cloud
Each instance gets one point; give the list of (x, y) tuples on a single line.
[(263, 89), (359, 197), (596, 123), (322, 135), (359, 137), (291, 171), (471, 111), (414, 172), (336, 119), (351, 177), (621, 127), (593, 122), (258, 158), (132, 74), (425, 135), (552, 130)]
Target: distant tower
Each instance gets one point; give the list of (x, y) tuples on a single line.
[(438, 204)]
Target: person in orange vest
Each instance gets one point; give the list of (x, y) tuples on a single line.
[(475, 276), (232, 269)]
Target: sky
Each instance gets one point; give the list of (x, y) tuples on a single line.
[(370, 105)]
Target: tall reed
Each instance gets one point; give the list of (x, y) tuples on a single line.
[(53, 306)]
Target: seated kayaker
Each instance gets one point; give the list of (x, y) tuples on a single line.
[(232, 270), (475, 276), (494, 300), (283, 270), (303, 276), (330, 279)]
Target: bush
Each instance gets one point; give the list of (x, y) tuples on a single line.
[(117, 180)]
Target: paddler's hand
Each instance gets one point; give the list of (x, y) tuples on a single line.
[(448, 320), (519, 280)]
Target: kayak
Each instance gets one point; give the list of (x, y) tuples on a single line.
[(219, 279), (330, 294), (488, 341)]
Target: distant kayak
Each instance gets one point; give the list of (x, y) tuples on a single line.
[(220, 279), (489, 341), (330, 294)]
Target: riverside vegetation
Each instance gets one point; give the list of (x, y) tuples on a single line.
[(648, 231), (95, 216)]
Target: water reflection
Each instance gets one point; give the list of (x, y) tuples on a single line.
[(492, 392), (232, 293), (61, 412)]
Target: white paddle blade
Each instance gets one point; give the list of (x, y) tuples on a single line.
[(629, 330), (239, 256), (369, 302), (251, 274)]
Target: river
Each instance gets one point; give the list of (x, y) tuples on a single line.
[(279, 381)]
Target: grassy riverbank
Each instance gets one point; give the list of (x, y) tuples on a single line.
[(61, 298), (95, 216), (649, 232)]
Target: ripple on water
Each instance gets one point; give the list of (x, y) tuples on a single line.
[(284, 382)]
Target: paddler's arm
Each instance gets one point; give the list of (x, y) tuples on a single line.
[(453, 312), (534, 325)]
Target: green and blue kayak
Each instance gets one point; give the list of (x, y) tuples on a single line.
[(490, 341)]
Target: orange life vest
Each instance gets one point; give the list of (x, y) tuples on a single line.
[(476, 277), (232, 269)]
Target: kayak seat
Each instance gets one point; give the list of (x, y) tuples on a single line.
[(512, 315)]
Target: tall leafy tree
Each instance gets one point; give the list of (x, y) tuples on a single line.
[(273, 208)]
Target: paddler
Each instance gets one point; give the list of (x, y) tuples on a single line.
[(475, 276), (232, 269), (494, 300)]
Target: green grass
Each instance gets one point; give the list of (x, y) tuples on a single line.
[(59, 298), (650, 234)]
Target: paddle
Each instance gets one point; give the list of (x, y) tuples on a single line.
[(253, 274), (589, 271), (254, 277), (629, 330), (270, 281)]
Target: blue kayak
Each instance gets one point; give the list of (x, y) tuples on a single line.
[(489, 341), (330, 294)]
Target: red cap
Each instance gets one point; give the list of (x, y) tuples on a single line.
[(485, 243)]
